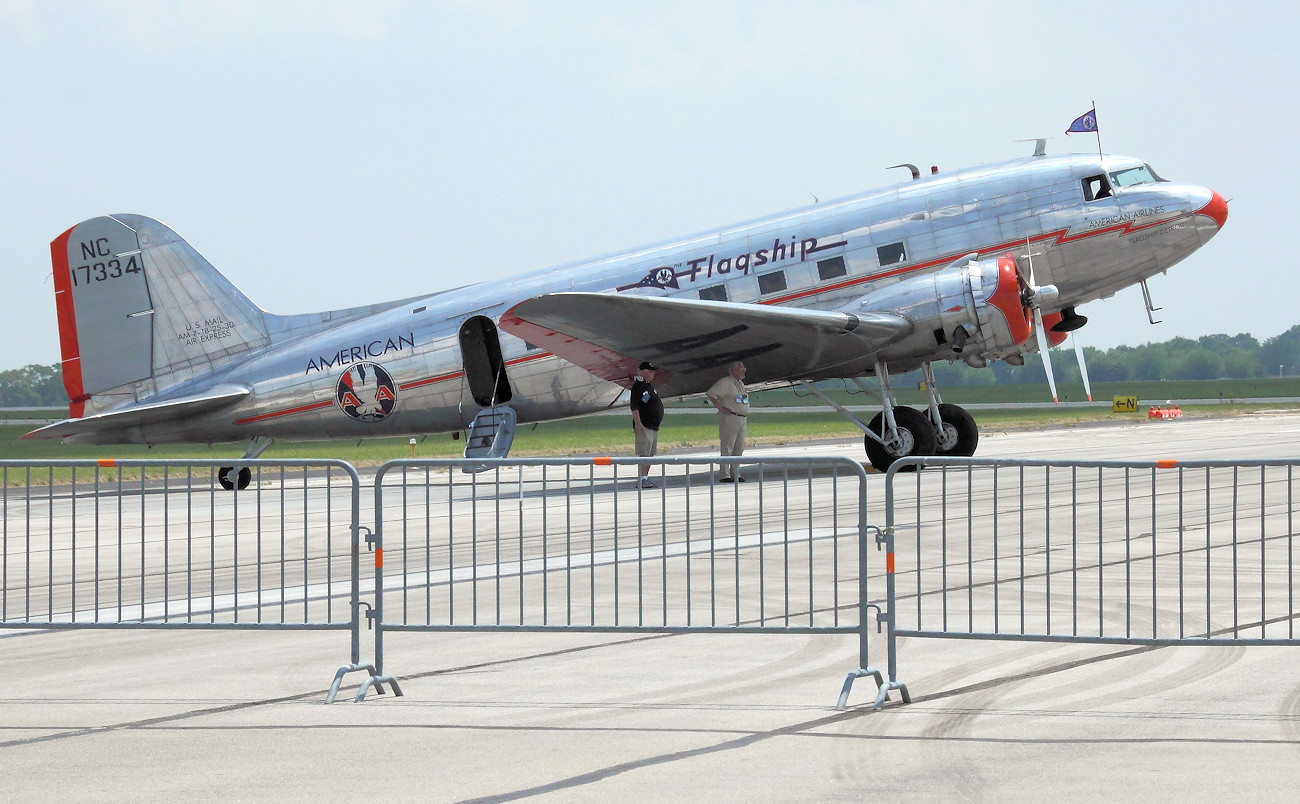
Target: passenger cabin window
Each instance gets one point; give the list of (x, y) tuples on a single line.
[(715, 293), (1096, 187), (771, 283), (829, 269), (1132, 176), (891, 254)]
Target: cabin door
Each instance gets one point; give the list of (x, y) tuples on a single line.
[(485, 369)]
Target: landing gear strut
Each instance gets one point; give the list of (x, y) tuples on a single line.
[(956, 434)]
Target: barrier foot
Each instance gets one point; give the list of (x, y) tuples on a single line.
[(848, 684), (378, 683), (882, 694), (338, 678)]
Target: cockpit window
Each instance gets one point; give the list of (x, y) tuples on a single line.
[(1096, 187), (1132, 176)]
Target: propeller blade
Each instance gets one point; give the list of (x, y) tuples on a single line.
[(1043, 347), (1083, 367)]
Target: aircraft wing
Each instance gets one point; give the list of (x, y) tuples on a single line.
[(139, 415), (694, 341)]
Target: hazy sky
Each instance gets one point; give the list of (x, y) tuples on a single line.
[(328, 154)]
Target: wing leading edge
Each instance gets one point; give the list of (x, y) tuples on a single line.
[(695, 341)]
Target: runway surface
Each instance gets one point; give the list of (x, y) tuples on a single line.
[(131, 715)]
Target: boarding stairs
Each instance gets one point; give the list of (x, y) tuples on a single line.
[(490, 435)]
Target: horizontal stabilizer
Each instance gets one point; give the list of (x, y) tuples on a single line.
[(145, 414), (694, 341)]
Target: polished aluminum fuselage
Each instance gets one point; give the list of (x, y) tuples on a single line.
[(1088, 250)]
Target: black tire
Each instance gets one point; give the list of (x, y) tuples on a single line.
[(913, 427), (239, 482), (961, 435)]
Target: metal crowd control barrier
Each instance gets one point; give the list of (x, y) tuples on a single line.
[(1111, 552), (159, 544), (576, 544)]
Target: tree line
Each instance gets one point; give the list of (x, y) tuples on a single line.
[(33, 386), (1210, 357)]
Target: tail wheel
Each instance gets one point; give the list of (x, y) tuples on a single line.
[(959, 435), (231, 480), (915, 433)]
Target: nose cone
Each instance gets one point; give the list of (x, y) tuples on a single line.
[(1216, 210)]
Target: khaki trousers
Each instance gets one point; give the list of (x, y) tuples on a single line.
[(731, 431)]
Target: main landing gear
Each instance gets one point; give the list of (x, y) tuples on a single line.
[(899, 432), (237, 478)]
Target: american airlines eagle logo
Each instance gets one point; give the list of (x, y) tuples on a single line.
[(366, 392), (662, 277)]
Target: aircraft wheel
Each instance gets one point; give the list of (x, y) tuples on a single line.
[(915, 431), (959, 435), (239, 481)]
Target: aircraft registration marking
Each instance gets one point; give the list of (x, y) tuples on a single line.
[(104, 271), (102, 264)]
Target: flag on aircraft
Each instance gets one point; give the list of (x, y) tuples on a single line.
[(1085, 123)]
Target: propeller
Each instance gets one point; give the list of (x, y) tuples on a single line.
[(1083, 367), (1034, 298), (1043, 347)]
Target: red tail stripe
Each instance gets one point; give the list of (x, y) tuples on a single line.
[(67, 314)]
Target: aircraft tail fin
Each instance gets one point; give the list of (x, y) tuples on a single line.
[(140, 311)]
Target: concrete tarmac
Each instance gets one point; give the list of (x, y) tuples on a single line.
[(146, 715)]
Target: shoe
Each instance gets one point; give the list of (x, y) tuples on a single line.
[(725, 480), (646, 483), (741, 480)]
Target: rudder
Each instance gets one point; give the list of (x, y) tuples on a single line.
[(140, 310)]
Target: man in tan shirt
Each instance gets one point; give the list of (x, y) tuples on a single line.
[(729, 397)]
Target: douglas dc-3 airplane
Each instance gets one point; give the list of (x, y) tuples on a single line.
[(988, 263)]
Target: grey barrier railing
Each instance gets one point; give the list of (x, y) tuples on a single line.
[(1111, 552), (160, 544), (1150, 553), (577, 544)]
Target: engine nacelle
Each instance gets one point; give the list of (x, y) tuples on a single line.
[(973, 313), (1031, 346), (1054, 338)]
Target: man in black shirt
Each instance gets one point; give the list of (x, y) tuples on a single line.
[(647, 414)]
